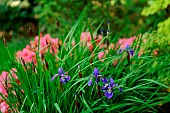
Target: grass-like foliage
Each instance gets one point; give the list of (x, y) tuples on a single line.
[(78, 80)]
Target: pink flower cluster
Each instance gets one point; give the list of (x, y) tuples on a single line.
[(4, 107), (123, 42), (4, 85), (86, 40), (28, 54)]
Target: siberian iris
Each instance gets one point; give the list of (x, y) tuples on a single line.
[(129, 50), (107, 88), (64, 78), (96, 76)]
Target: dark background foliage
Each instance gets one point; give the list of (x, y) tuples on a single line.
[(125, 17)]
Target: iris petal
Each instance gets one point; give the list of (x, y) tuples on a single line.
[(96, 72), (60, 71), (67, 78), (63, 80), (104, 80), (108, 94), (89, 82), (120, 89), (97, 80), (119, 51), (111, 82), (55, 75), (104, 88), (112, 86), (131, 52)]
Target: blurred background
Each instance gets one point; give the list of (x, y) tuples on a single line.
[(21, 20), (18, 18)]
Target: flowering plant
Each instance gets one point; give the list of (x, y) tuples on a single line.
[(33, 85)]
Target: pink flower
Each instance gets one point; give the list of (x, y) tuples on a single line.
[(155, 52), (3, 76), (6, 78), (4, 107), (98, 38), (102, 46), (125, 41), (3, 90), (28, 46), (85, 39), (90, 46), (85, 36), (100, 55), (55, 42), (53, 49), (111, 46), (13, 73), (27, 55), (73, 43)]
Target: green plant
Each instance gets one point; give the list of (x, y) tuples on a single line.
[(35, 92), (157, 7)]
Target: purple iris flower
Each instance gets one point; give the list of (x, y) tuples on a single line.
[(64, 78), (96, 72), (108, 88), (96, 76), (131, 52), (128, 49), (120, 50)]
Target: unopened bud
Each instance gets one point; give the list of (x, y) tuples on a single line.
[(30, 32), (5, 42), (23, 62), (46, 65), (57, 23), (33, 67)]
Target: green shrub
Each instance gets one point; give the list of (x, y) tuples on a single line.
[(157, 6)]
